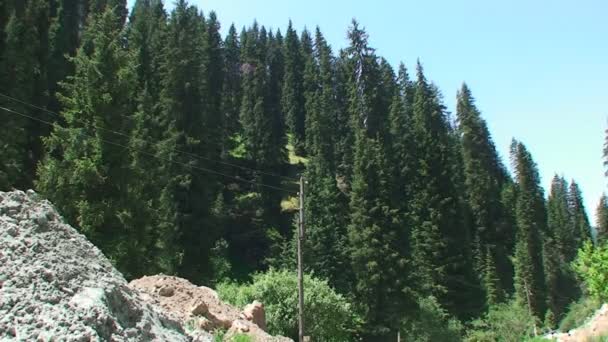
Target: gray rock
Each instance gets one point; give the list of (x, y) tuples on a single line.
[(56, 285)]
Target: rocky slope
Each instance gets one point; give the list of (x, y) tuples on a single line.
[(57, 286)]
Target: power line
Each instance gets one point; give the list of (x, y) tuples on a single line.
[(155, 156), (143, 140)]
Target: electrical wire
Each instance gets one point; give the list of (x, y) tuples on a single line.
[(155, 156), (143, 140)]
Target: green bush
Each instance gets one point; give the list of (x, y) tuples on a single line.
[(591, 265), (507, 322), (431, 323), (578, 313), (328, 315)]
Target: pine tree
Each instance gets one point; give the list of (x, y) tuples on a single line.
[(561, 288), (531, 221), (65, 36), (580, 229), (23, 69), (145, 36), (231, 94), (601, 215), (187, 197), (440, 239), (293, 101), (484, 178), (325, 205), (263, 130), (85, 172), (377, 244)]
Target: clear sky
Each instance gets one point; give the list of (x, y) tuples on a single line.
[(538, 69)]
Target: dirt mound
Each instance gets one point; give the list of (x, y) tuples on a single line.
[(56, 285), (199, 308)]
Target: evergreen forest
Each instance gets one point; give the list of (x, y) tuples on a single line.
[(178, 150)]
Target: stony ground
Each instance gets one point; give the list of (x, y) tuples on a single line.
[(198, 308), (56, 285)]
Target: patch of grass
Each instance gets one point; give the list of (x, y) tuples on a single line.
[(294, 159), (218, 335), (538, 339), (239, 147), (247, 196), (290, 204), (241, 338)]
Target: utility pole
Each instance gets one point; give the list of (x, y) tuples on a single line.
[(300, 264)]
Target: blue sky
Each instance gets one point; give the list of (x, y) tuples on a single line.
[(538, 69)]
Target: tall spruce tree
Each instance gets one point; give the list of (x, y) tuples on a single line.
[(377, 241), (484, 178), (85, 172), (293, 101), (23, 69), (531, 218), (65, 37), (231, 94), (145, 36), (188, 195), (440, 240), (580, 229), (601, 224), (263, 131), (559, 239), (325, 205)]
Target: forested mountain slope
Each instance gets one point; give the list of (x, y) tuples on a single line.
[(177, 150)]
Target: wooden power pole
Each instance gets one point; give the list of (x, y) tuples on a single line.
[(300, 265)]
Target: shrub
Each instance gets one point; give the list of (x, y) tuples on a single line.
[(431, 323), (578, 313), (506, 322), (328, 315), (591, 265)]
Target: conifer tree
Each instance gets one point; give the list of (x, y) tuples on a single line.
[(402, 161), (580, 229), (325, 205), (531, 221), (23, 69), (378, 254), (188, 195), (263, 127), (484, 178), (64, 36), (440, 240), (83, 173), (293, 101), (231, 94), (557, 239), (601, 215), (145, 35)]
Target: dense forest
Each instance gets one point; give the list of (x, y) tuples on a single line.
[(177, 150)]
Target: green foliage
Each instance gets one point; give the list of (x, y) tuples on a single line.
[(430, 322), (531, 219), (241, 338), (592, 266), (329, 316), (578, 313), (602, 220), (505, 322)]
